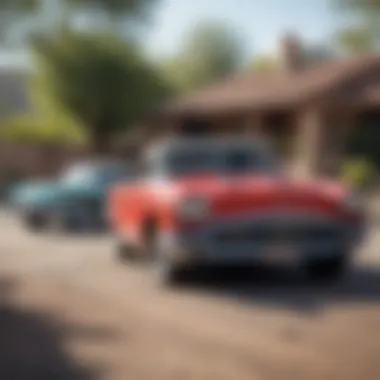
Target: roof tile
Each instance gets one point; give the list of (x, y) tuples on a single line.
[(270, 90)]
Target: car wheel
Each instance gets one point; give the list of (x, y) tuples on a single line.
[(61, 223), (168, 270), (327, 270), (35, 221), (170, 273), (124, 252)]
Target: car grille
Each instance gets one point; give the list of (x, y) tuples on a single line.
[(262, 234)]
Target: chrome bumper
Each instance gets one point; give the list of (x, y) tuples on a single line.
[(256, 239)]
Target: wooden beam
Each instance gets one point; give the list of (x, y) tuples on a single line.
[(309, 142), (254, 125)]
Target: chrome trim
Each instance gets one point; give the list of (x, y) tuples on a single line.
[(201, 243), (274, 218)]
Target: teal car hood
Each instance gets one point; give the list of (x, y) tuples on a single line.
[(46, 193), (31, 192)]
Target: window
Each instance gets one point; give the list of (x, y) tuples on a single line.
[(192, 161), (218, 158), (99, 174)]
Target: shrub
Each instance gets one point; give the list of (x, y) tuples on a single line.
[(358, 173), (37, 129)]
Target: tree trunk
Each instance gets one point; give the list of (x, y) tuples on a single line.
[(100, 145)]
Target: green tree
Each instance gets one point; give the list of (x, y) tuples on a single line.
[(119, 14), (138, 9), (38, 128), (355, 40), (311, 54), (211, 51), (365, 35), (265, 63), (364, 7), (19, 5), (97, 80)]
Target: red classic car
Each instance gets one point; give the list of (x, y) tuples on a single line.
[(225, 202)]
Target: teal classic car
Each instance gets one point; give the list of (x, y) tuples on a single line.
[(72, 201)]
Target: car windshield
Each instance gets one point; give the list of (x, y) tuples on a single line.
[(225, 159), (187, 162), (97, 174)]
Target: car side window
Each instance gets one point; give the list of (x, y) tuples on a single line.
[(241, 160), (248, 160)]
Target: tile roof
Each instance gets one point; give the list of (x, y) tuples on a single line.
[(280, 89)]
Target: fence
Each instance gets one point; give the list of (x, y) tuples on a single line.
[(40, 160)]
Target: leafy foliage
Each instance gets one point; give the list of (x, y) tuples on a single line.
[(20, 5), (358, 173), (265, 63), (97, 80), (364, 142), (118, 14), (211, 51), (355, 40), (364, 6), (311, 54), (132, 8), (365, 36), (32, 128)]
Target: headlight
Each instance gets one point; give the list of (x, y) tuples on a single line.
[(354, 202), (193, 209)]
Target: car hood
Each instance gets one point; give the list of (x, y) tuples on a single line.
[(244, 193), (29, 191), (42, 193)]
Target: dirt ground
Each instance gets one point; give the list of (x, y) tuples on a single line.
[(70, 311)]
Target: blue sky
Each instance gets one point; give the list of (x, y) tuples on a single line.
[(261, 22)]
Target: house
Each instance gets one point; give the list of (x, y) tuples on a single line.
[(307, 110)]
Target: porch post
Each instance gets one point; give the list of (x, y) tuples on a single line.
[(309, 142), (254, 125), (172, 127)]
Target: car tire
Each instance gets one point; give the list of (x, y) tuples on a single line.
[(327, 270), (35, 221), (124, 252), (169, 273), (57, 223), (64, 223)]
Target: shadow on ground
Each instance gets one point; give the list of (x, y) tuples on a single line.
[(32, 345), (281, 288)]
